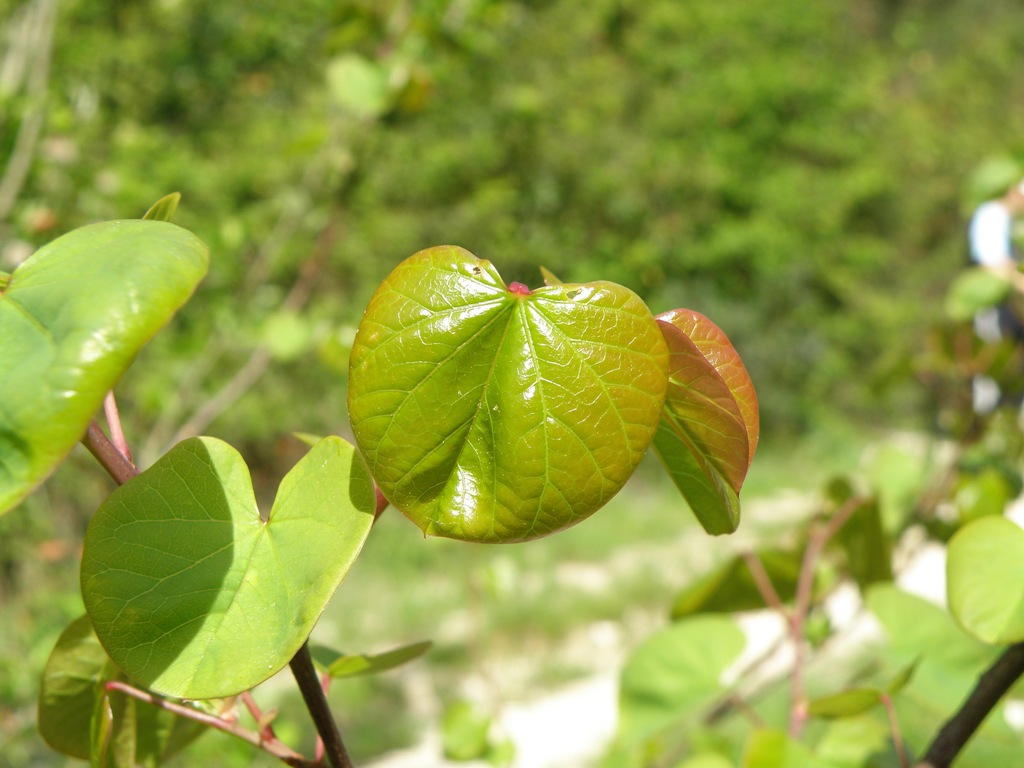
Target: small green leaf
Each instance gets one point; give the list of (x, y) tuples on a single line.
[(675, 672), (102, 731), (73, 678), (72, 319), (164, 208), (180, 571), (975, 289), (904, 676), (494, 413), (705, 439), (550, 278), (845, 704), (464, 732), (985, 579), (366, 664), (67, 692), (359, 85)]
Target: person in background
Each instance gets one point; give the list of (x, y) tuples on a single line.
[(991, 242)]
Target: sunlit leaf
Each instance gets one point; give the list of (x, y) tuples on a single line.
[(180, 572), (985, 579), (72, 319), (464, 732), (493, 413)]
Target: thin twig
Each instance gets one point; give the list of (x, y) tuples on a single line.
[(316, 702), (114, 425), (802, 606), (894, 728), (991, 687), (275, 748), (110, 458), (764, 584)]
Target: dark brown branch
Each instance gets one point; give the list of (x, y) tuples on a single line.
[(991, 687), (106, 453), (316, 703)]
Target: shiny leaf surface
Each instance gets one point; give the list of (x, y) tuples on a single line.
[(72, 319), (492, 413), (180, 571), (709, 431)]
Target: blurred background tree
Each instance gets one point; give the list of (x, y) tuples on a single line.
[(803, 173)]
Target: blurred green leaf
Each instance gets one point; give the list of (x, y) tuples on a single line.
[(730, 587), (464, 732), (287, 335), (983, 493), (72, 319), (985, 579), (774, 749), (372, 664), (200, 574), (973, 290), (867, 546), (164, 208), (845, 704), (359, 85), (489, 414), (676, 672)]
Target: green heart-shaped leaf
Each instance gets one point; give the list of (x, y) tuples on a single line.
[(192, 593), (492, 413), (72, 319), (985, 579), (709, 430)]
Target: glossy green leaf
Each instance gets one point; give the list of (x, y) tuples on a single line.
[(675, 672), (716, 348), (492, 413), (180, 571), (372, 664), (71, 685), (72, 319), (709, 430), (164, 208), (985, 579)]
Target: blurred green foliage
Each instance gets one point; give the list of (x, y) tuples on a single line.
[(800, 172), (792, 170)]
